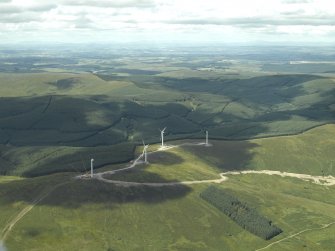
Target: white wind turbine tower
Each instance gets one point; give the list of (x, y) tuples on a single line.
[(92, 160), (162, 136), (145, 153), (206, 139)]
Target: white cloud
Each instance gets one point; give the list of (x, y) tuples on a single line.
[(210, 20), (296, 1), (111, 4)]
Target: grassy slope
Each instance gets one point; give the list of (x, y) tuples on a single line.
[(80, 220), (293, 205), (30, 84), (96, 216), (173, 165), (309, 153)]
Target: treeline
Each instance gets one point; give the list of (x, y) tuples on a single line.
[(238, 211)]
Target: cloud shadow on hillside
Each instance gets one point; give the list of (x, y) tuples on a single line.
[(77, 193), (226, 155)]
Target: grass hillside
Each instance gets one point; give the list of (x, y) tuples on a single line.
[(93, 215), (310, 153), (169, 165), (73, 112)]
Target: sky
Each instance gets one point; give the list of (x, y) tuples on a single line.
[(170, 21)]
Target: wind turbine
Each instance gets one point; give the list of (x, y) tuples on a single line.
[(162, 136), (145, 153), (92, 160), (206, 139)]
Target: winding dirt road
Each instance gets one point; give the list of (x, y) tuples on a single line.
[(100, 176), (320, 180), (161, 184)]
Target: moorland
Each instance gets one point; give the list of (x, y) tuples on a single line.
[(266, 108)]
